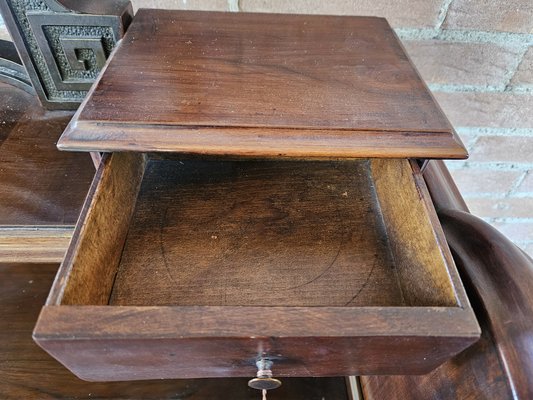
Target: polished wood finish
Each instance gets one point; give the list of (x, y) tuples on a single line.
[(416, 240), (163, 329), (499, 279), (27, 372), (104, 223), (502, 279), (41, 189), (261, 85), (36, 244), (38, 184), (257, 234), (442, 188)]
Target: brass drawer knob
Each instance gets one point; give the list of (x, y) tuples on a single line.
[(264, 380)]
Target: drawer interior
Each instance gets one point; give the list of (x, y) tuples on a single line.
[(170, 231), (261, 233)]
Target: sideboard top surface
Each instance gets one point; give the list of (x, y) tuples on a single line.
[(262, 85)]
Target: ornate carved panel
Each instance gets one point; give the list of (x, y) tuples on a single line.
[(64, 49)]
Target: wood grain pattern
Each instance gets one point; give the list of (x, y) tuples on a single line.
[(27, 372), (102, 343), (104, 222), (127, 342), (501, 276), (419, 252), (36, 244), (38, 184), (262, 85), (498, 277), (257, 233), (475, 373)]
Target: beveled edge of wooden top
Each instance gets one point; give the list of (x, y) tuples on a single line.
[(259, 142), (58, 322)]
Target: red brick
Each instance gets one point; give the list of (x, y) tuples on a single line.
[(413, 13), (471, 181), (509, 207), (491, 15), (524, 74), (488, 109), (444, 62), (509, 149), (208, 5), (526, 186), (516, 231)]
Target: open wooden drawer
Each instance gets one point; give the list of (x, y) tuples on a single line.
[(184, 267)]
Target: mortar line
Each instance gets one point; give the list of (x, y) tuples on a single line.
[(496, 196), (490, 166), (443, 13), (233, 5), (466, 36), (522, 242), (522, 88), (472, 142), (512, 220), (514, 68), (462, 88), (518, 182), (500, 132)]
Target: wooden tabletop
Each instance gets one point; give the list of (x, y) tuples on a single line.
[(39, 186), (262, 85)]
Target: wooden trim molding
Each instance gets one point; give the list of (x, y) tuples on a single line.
[(37, 244)]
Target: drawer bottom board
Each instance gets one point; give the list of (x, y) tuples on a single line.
[(257, 234)]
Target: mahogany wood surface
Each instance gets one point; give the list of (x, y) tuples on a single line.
[(502, 279), (499, 280), (261, 85), (257, 234), (34, 243), (27, 372), (444, 193), (104, 221), (39, 185), (415, 236), (166, 335)]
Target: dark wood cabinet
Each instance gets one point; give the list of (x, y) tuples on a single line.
[(260, 203), (258, 197), (195, 268)]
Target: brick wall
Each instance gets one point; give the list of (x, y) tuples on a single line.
[(477, 57)]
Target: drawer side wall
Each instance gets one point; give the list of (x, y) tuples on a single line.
[(419, 258), (87, 273)]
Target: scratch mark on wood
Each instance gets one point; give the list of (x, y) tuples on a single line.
[(364, 284)]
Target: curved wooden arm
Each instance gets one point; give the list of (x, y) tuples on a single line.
[(498, 277), (444, 192)]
